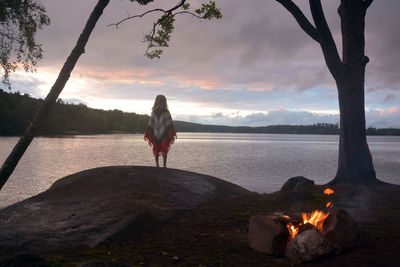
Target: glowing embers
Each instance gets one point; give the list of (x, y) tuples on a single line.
[(328, 191)]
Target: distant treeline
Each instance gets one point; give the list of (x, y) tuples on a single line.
[(319, 128), (17, 110)]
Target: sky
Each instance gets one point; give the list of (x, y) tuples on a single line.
[(254, 67)]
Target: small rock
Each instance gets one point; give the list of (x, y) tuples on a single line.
[(267, 235), (308, 246), (297, 183), (341, 231)]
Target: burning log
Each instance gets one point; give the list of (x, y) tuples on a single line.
[(308, 245)]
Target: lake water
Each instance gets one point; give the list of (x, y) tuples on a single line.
[(258, 162)]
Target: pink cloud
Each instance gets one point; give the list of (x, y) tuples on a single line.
[(384, 118), (390, 111)]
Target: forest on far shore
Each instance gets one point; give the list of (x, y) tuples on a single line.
[(17, 110)]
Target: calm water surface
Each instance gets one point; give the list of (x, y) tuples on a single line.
[(258, 162)]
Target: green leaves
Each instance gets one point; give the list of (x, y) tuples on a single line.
[(209, 11), (19, 22), (160, 35)]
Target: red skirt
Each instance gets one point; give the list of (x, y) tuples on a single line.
[(164, 145)]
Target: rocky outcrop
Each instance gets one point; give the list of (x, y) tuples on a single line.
[(297, 183), (105, 204)]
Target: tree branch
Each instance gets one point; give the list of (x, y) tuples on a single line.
[(159, 35), (304, 23), (167, 14), (116, 24), (189, 13), (168, 11), (150, 36), (153, 31), (327, 42)]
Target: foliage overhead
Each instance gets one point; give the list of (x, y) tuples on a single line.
[(160, 34), (19, 22)]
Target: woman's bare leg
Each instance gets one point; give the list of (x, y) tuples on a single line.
[(156, 157), (164, 155)]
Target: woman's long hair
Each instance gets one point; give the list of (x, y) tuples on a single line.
[(160, 104)]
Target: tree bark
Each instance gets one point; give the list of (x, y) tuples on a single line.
[(355, 160), (25, 140)]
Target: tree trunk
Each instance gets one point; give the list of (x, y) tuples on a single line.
[(23, 143), (355, 160)]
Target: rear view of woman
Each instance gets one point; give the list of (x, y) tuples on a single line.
[(160, 132)]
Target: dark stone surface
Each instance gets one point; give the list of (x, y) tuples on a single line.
[(24, 260), (105, 204), (341, 230), (297, 183), (104, 263)]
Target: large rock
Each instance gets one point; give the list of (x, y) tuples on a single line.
[(268, 234), (297, 183), (341, 230), (103, 204)]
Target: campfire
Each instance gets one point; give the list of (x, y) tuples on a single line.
[(316, 218), (305, 236)]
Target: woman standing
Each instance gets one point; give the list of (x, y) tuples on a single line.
[(160, 132)]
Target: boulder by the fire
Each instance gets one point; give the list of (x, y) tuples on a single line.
[(341, 231), (297, 183), (308, 245), (267, 234)]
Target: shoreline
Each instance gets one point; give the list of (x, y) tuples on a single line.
[(210, 132), (210, 230)]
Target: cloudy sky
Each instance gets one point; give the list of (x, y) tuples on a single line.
[(254, 67)]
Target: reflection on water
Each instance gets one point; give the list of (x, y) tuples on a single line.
[(258, 162)]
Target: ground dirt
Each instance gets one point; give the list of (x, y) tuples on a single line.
[(214, 234)]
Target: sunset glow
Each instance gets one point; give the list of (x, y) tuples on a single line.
[(219, 78)]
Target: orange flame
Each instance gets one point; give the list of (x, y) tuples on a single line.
[(292, 230), (328, 191), (316, 218)]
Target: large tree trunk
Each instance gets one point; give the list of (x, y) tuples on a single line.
[(23, 143), (355, 160)]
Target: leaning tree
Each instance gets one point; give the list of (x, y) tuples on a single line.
[(157, 39), (355, 161)]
